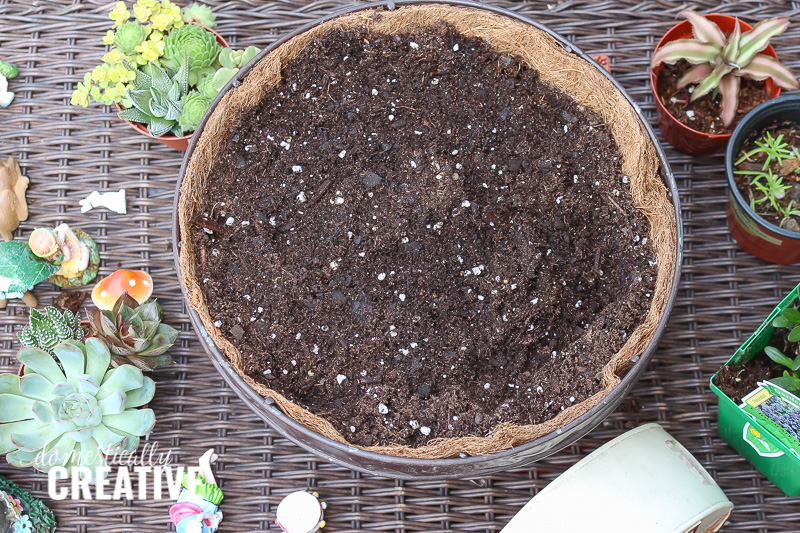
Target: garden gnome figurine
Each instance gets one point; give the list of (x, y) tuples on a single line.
[(301, 512), (197, 508), (13, 206)]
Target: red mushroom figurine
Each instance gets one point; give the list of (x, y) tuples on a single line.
[(137, 283)]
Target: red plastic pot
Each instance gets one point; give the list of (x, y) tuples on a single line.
[(755, 235), (679, 135), (178, 143)]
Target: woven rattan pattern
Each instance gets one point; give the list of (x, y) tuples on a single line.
[(68, 151)]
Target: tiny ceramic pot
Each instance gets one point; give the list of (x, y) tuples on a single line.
[(755, 235), (679, 135), (177, 143), (644, 480)]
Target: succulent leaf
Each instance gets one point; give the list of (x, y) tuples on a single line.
[(729, 89), (695, 74), (134, 333), (762, 67), (688, 49), (194, 42), (757, 39), (50, 415), (730, 53), (704, 29), (711, 81)]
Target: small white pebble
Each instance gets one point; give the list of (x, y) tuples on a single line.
[(297, 168), (301, 197), (413, 45), (382, 409), (374, 92), (218, 323), (455, 47), (229, 222), (340, 378), (425, 430), (342, 154), (381, 277)]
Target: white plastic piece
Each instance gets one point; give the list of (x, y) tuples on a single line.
[(300, 512), (6, 98), (115, 201), (643, 481)]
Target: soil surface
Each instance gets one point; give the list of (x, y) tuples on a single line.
[(739, 381), (704, 113), (788, 170), (415, 237)]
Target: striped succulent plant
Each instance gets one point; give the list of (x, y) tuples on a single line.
[(721, 60)]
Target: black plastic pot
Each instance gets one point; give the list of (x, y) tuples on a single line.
[(467, 467), (755, 235)]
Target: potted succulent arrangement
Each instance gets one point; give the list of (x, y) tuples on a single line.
[(762, 165), (708, 71), (160, 68), (759, 407), (365, 252), (78, 395)]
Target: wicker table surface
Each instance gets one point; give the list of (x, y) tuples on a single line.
[(68, 151)]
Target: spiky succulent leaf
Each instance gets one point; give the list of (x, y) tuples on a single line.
[(762, 67), (72, 417), (200, 14), (695, 74), (157, 97), (134, 333), (758, 38), (47, 329), (689, 49), (711, 81), (704, 29)]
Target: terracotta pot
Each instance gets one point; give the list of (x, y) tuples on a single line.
[(755, 235), (178, 143), (679, 135)]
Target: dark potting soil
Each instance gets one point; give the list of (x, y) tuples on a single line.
[(704, 113), (787, 169), (415, 237), (739, 381)]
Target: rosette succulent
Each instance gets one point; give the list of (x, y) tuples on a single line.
[(156, 99), (129, 36), (134, 333), (194, 107), (196, 43), (73, 414), (200, 14), (46, 330), (721, 60)]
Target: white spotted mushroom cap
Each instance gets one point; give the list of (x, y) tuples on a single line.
[(137, 283)]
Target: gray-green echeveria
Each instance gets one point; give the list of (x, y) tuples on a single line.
[(194, 107), (72, 417), (129, 36), (200, 46)]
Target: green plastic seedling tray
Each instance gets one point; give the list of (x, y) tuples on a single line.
[(747, 436)]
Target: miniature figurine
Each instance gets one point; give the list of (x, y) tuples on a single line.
[(20, 270), (114, 201), (22, 513), (71, 249), (301, 512), (136, 283), (198, 511), (7, 72), (13, 206)]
